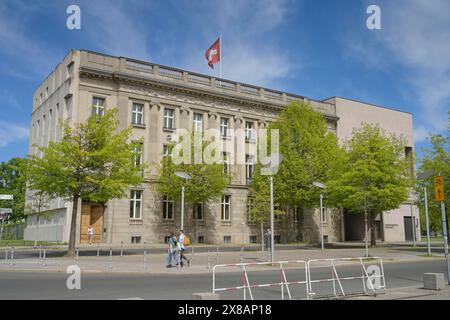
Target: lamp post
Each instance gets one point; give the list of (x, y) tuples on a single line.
[(185, 176), (423, 176), (321, 186)]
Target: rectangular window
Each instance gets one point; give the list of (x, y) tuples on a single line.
[(250, 214), (138, 154), (201, 239), (226, 163), (137, 114), (277, 239), (98, 106), (136, 204), (249, 166), (136, 239), (253, 239), (226, 206), (226, 239), (198, 211), (296, 213), (198, 122), (167, 208), (249, 130), (166, 150), (224, 126), (169, 118)]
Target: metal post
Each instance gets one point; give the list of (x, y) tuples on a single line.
[(321, 221), (272, 222), (365, 226), (413, 223), (121, 248), (444, 229), (43, 259), (12, 256), (427, 221), (241, 256), (182, 207), (209, 262), (110, 258), (98, 250), (6, 254), (145, 258), (77, 257), (40, 252)]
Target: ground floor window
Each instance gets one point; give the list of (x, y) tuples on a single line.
[(167, 208), (136, 239), (198, 211), (253, 239), (226, 239), (136, 204), (225, 206), (200, 239)]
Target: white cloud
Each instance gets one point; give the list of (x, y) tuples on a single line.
[(11, 133)]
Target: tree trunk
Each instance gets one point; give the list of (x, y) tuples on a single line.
[(73, 227), (373, 239)]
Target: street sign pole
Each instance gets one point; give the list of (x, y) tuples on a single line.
[(321, 221), (444, 228), (272, 245), (182, 207), (427, 221)]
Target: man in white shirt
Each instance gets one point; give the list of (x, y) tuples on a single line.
[(181, 242)]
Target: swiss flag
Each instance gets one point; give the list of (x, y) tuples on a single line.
[(213, 53)]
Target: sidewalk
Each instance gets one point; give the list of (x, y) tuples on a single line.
[(409, 293), (202, 262)]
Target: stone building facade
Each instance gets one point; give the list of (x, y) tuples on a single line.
[(156, 100)]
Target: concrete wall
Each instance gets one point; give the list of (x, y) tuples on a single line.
[(51, 227)]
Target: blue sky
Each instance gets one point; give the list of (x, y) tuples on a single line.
[(313, 48)]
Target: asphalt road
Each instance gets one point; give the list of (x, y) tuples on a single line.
[(41, 285)]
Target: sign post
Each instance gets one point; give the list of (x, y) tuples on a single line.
[(439, 196)]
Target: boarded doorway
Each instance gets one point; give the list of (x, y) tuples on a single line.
[(91, 215)]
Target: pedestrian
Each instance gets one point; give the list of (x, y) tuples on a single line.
[(173, 248), (90, 234), (184, 241)]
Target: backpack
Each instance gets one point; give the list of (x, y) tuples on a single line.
[(186, 241)]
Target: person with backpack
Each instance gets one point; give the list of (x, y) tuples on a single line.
[(184, 242), (173, 248)]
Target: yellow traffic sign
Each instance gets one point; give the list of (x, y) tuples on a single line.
[(439, 188)]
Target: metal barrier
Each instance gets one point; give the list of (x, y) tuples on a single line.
[(247, 286), (336, 279)]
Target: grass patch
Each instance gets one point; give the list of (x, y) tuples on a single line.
[(25, 243)]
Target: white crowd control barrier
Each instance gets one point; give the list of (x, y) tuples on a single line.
[(371, 275), (284, 283)]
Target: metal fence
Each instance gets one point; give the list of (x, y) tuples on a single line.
[(14, 232)]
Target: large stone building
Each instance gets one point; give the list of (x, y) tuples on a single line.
[(156, 100)]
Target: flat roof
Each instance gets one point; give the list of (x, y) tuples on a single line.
[(368, 103)]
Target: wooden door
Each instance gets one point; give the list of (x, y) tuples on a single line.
[(91, 215)]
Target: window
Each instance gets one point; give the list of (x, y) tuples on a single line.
[(249, 166), (198, 211), (226, 163), (253, 239), (277, 239), (166, 150), (137, 155), (167, 208), (136, 204), (168, 119), (137, 114), (250, 214), (225, 205), (226, 239), (198, 122), (296, 212), (136, 239), (224, 126), (166, 239), (98, 106), (249, 130), (200, 239), (324, 215)]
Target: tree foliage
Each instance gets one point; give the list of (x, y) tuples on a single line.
[(374, 174), (12, 182), (92, 162)]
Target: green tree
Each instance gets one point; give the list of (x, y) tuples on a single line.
[(12, 182), (207, 181), (437, 158), (93, 161), (375, 174), (310, 153)]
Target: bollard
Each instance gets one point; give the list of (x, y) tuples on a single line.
[(6, 253), (12, 256), (98, 250), (145, 258), (110, 258), (40, 252), (121, 248), (209, 262), (241, 255), (77, 256), (43, 259), (217, 254)]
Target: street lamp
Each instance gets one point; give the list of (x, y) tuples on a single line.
[(323, 187), (274, 170), (185, 176), (423, 176)]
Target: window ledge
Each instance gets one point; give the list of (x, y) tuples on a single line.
[(169, 129), (135, 221), (250, 140), (138, 125), (225, 137), (225, 223)]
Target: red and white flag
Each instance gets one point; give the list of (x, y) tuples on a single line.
[(213, 54)]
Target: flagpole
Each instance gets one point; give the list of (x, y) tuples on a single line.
[(220, 65)]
